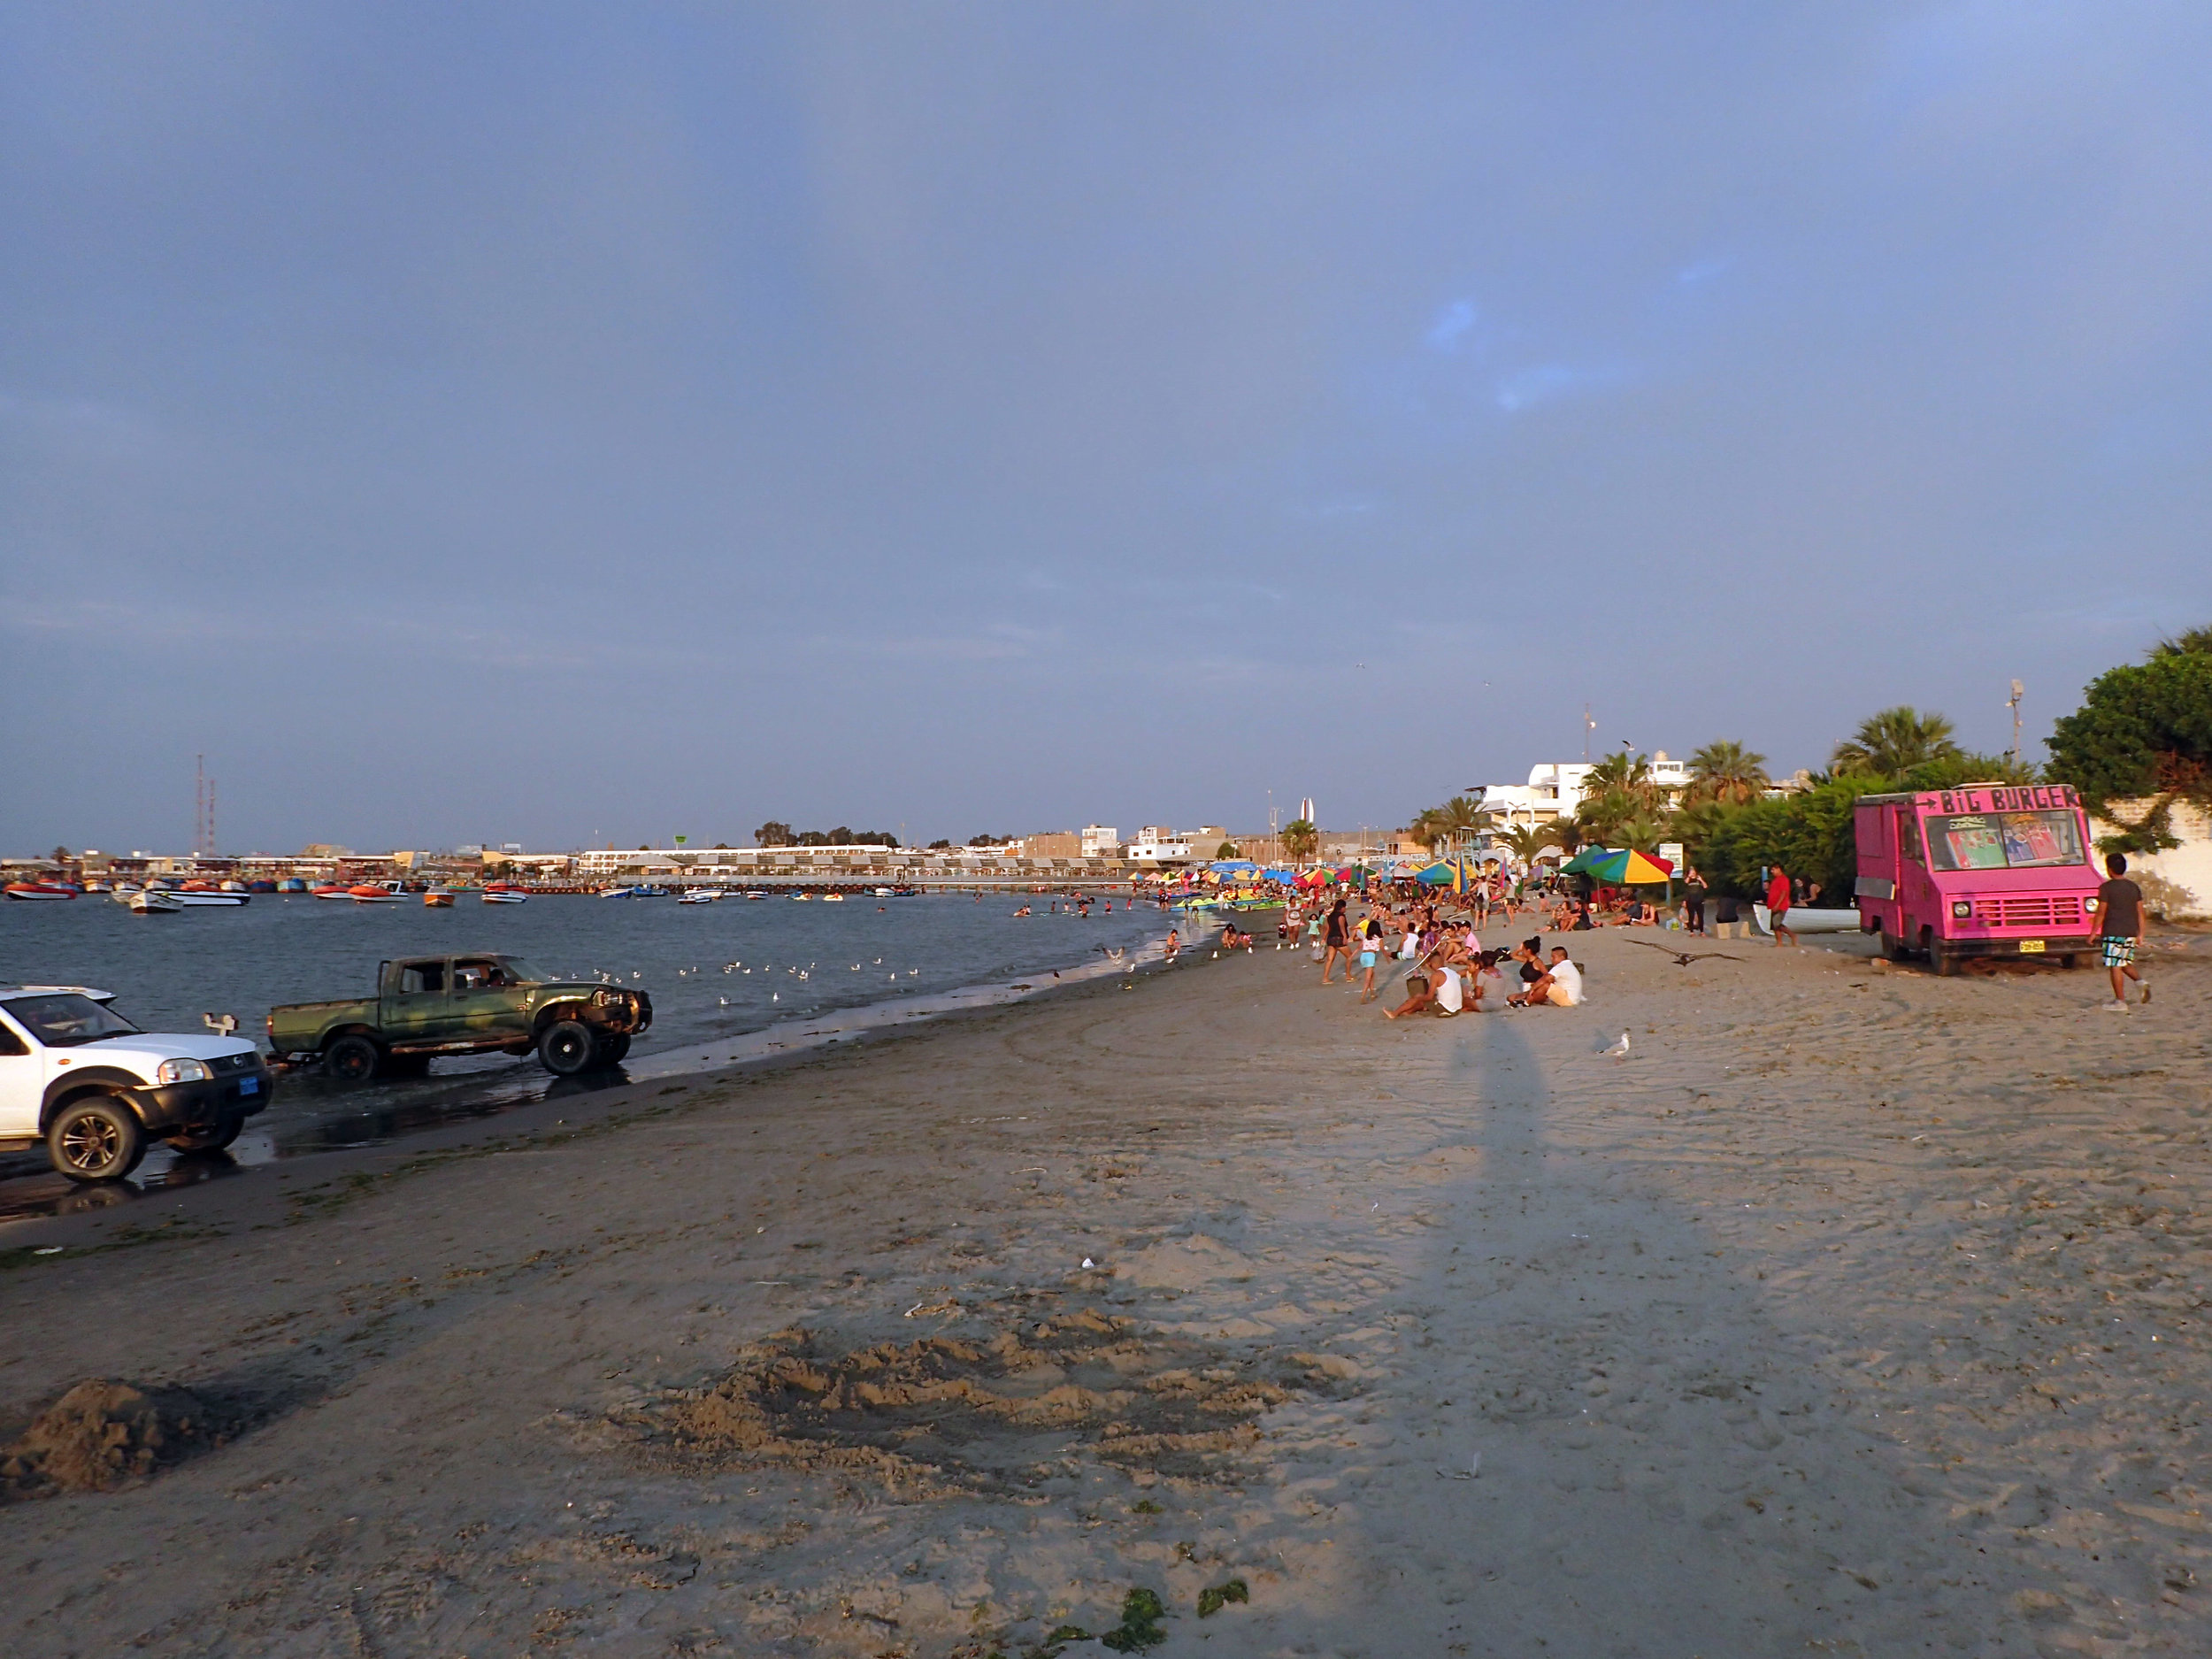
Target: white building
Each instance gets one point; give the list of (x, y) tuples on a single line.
[(1100, 841), (1553, 789), (1155, 847)]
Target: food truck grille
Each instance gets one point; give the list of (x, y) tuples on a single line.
[(2029, 911)]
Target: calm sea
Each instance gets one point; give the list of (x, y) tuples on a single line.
[(716, 972)]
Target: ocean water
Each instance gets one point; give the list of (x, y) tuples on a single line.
[(734, 972)]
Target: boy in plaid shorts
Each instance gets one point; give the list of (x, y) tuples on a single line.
[(2120, 929)]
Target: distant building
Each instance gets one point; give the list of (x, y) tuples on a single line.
[(1100, 841), (1050, 844), (1158, 847), (1554, 790), (1305, 810)]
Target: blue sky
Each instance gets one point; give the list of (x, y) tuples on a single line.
[(573, 425)]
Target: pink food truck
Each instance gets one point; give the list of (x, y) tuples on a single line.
[(1988, 870)]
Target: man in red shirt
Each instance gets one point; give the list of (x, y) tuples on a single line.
[(1779, 906)]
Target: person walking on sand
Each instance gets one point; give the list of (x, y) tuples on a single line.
[(1369, 948), (1779, 906), (1336, 941), (2120, 929)]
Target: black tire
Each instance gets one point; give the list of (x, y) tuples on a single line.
[(567, 1046), (613, 1047), (95, 1138), (2070, 961), (1941, 959), (407, 1066), (212, 1138), (353, 1059), (1893, 947)]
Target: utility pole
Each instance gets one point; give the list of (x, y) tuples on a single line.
[(1588, 726), (2013, 702), (211, 819), (199, 806)]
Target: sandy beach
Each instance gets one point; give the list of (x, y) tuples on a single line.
[(1853, 1311)]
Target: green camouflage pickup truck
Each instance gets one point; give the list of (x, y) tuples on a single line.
[(431, 1005)]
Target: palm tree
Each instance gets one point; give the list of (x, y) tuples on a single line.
[(1527, 842), (1429, 828), (1894, 741), (1300, 840), (1462, 816), (1726, 770)]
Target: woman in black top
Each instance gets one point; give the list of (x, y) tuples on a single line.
[(1336, 941)]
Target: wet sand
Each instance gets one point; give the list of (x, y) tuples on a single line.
[(1854, 1312)]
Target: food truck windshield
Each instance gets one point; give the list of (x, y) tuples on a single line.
[(2004, 840)]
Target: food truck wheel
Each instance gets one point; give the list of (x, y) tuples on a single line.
[(1942, 959), (1893, 947)]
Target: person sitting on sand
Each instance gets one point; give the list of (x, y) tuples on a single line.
[(1440, 992), (1560, 986), (1232, 939)]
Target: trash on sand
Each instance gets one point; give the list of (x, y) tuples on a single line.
[(1213, 1598), (1088, 1262), (1142, 1612), (47, 1249), (1474, 1470)]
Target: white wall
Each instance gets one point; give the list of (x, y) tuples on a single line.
[(2179, 879)]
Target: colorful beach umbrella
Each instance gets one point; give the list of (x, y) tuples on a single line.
[(1630, 869)]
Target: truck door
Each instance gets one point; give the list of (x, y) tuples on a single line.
[(484, 997), (1915, 890), (417, 1007), (22, 1082)]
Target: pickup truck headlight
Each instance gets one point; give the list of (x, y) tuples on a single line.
[(181, 1072), (1961, 909)]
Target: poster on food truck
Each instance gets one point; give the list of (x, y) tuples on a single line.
[(1974, 844)]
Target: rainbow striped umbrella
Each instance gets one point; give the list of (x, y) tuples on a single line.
[(1627, 868)]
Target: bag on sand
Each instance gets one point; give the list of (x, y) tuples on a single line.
[(1317, 953), (1417, 985)]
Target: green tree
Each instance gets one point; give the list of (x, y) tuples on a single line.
[(1726, 770), (773, 833), (1300, 840), (1227, 849), (1892, 743), (2143, 734), (1528, 841)]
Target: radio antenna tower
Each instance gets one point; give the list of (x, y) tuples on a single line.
[(202, 809), (2013, 702)]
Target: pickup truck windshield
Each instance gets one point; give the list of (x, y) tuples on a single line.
[(2004, 840), (521, 973), (65, 1020)]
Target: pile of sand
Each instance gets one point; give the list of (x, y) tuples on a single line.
[(103, 1434), (958, 1413)]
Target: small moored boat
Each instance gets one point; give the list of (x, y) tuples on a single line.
[(151, 902), (40, 890), (333, 893), (374, 893), (506, 896), (438, 899)]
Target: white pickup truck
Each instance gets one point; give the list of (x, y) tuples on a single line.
[(79, 1077)]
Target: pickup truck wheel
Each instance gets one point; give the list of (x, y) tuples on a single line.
[(1944, 960), (567, 1048), (211, 1137), (612, 1047), (353, 1060), (95, 1138)]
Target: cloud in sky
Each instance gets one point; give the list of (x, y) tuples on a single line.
[(884, 415)]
